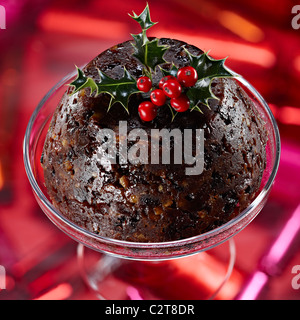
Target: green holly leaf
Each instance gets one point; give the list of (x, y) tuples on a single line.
[(200, 93), (144, 18), (120, 90), (149, 54), (82, 82), (207, 69)]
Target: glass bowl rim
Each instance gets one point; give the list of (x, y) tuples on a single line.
[(151, 245)]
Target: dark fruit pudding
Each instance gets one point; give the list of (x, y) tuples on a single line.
[(153, 202)]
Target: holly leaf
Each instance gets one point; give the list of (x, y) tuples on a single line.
[(82, 82), (144, 18), (200, 93), (120, 90), (207, 69), (149, 54)]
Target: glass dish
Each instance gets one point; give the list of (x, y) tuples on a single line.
[(33, 145)]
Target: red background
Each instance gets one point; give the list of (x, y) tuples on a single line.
[(42, 42)]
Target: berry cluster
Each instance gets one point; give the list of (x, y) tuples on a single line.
[(169, 87)]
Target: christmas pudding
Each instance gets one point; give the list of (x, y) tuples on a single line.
[(153, 141)]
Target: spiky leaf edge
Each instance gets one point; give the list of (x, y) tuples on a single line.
[(82, 82)]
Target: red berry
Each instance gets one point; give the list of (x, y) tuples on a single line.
[(144, 84), (172, 88), (180, 104), (187, 76), (164, 79), (158, 97), (147, 111)]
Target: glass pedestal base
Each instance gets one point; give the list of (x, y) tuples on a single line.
[(197, 277)]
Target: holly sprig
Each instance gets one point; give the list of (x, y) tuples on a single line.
[(148, 52), (207, 69), (151, 55)]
